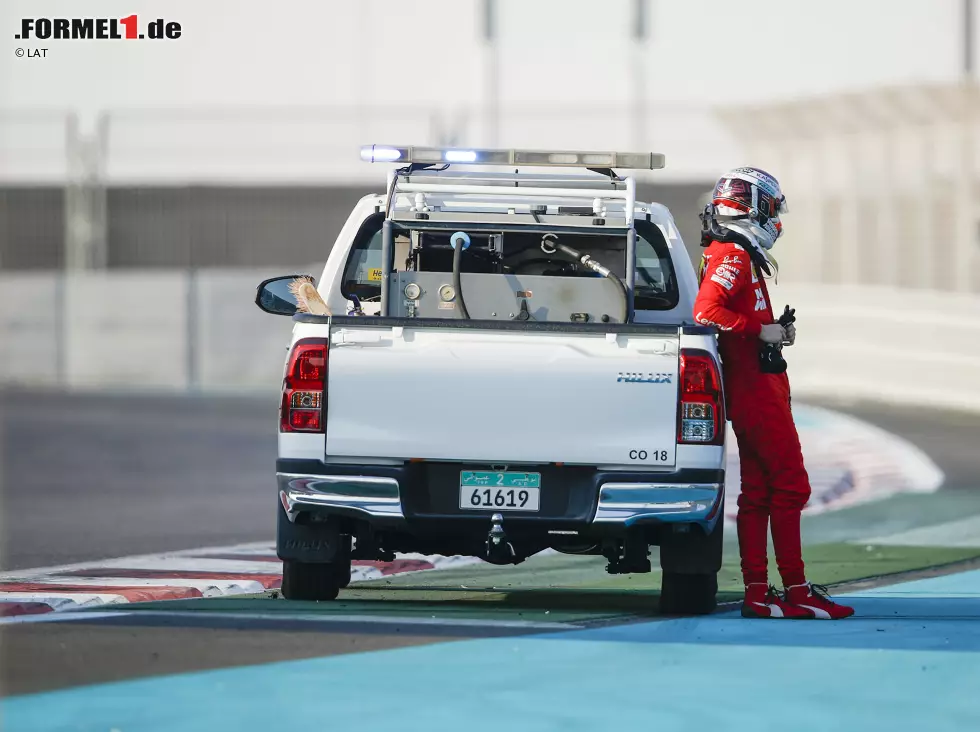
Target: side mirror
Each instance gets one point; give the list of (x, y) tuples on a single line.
[(273, 295)]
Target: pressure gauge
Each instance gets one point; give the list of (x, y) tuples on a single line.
[(447, 293), (412, 291)]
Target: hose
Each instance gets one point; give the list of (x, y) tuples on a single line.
[(457, 284), (592, 264)]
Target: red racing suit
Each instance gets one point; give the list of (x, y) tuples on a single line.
[(733, 298)]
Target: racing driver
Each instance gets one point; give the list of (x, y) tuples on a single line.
[(739, 227)]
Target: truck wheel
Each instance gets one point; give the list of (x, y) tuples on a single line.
[(342, 564), (688, 594), (343, 575), (302, 581), (693, 552)]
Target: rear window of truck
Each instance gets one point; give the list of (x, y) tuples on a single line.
[(655, 287)]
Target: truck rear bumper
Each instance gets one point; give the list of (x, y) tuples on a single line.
[(395, 496), (634, 503), (372, 496)]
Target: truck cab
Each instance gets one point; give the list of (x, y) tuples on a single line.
[(507, 363)]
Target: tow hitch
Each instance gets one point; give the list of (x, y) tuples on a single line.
[(499, 549)]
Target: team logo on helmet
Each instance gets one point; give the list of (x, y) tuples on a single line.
[(761, 178)]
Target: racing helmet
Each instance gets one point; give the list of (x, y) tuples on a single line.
[(751, 197)]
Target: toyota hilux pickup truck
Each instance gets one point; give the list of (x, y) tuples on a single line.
[(506, 363)]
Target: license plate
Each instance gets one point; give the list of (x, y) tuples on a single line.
[(493, 491)]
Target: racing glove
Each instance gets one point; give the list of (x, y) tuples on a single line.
[(772, 333)]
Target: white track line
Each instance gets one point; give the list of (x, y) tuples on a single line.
[(64, 600), (239, 563), (163, 563), (19, 574), (962, 533), (208, 587), (58, 617), (359, 619)]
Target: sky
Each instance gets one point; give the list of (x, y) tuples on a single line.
[(557, 62)]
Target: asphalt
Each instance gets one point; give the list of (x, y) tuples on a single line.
[(93, 477), (45, 656), (88, 477)]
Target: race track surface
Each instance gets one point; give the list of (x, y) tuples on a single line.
[(95, 477), (89, 477), (92, 478), (909, 660)]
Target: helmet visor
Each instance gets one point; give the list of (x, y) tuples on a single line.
[(747, 196), (734, 190)]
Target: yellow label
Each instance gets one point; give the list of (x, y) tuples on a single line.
[(374, 275)]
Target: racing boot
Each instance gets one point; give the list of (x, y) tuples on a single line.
[(762, 601), (816, 602)]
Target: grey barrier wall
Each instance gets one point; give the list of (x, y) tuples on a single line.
[(141, 329), (205, 226), (32, 227), (186, 331), (32, 329)]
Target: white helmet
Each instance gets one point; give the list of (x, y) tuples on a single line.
[(749, 201)]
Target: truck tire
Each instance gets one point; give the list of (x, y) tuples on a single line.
[(688, 594), (343, 574), (693, 551), (301, 581)]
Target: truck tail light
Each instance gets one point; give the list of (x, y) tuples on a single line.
[(701, 412), (304, 388)]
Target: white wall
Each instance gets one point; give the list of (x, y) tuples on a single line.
[(167, 331), (236, 84), (241, 52), (138, 330), (901, 346)]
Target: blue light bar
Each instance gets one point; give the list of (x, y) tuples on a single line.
[(533, 158), (460, 156), (380, 154)]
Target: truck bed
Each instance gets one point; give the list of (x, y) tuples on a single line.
[(500, 393)]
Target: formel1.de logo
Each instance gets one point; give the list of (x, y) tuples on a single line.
[(97, 29)]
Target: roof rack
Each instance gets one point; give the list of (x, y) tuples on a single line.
[(421, 176)]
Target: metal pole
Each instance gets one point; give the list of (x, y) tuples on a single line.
[(492, 71), (85, 196), (98, 194), (967, 19), (193, 373), (638, 31), (74, 238)]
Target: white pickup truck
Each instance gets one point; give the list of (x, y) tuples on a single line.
[(509, 365)]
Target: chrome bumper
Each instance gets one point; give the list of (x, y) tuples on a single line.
[(628, 503), (619, 503), (365, 494)]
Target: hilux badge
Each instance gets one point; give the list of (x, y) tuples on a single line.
[(639, 377)]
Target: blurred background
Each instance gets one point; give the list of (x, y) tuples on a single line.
[(146, 188), (190, 168)]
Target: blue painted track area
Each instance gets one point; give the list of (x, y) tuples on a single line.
[(910, 660)]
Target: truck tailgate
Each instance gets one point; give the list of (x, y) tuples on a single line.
[(502, 397)]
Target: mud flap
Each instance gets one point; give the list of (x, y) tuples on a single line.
[(692, 551), (310, 543)]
